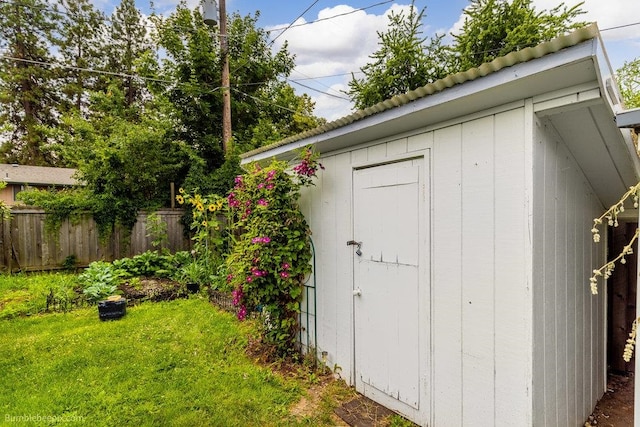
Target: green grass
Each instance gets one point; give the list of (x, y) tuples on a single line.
[(171, 363), (27, 294)]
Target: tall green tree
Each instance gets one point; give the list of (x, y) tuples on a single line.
[(29, 94), (629, 81), (405, 61), (79, 46), (263, 107), (128, 41), (494, 28)]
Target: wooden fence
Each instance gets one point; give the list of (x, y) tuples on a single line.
[(26, 245)]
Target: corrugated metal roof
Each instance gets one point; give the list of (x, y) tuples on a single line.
[(37, 175), (586, 33)]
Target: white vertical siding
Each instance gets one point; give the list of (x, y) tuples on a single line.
[(478, 267), (446, 304), (327, 208), (568, 328), (512, 275), (481, 302)]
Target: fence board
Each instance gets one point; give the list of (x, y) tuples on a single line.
[(26, 245)]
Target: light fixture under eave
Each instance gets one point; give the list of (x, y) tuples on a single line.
[(210, 12)]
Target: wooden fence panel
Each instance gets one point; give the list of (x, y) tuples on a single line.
[(26, 245)]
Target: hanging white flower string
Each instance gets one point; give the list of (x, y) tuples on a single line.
[(631, 342), (605, 271), (611, 215)]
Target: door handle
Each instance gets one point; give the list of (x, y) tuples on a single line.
[(357, 245), (357, 292)]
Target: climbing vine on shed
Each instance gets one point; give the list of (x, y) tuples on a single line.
[(270, 259)]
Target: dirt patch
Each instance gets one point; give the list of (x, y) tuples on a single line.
[(363, 412), (152, 289), (615, 409)]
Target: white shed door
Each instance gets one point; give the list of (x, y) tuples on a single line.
[(387, 205)]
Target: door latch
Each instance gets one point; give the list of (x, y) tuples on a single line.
[(357, 245)]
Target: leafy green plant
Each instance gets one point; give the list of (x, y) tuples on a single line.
[(100, 280), (146, 264), (270, 258), (157, 229), (194, 272), (70, 262)]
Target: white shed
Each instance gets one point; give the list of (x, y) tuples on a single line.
[(471, 202)]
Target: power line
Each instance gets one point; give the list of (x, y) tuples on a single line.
[(291, 24), (620, 26), (320, 83), (263, 101), (283, 29), (323, 77), (317, 90), (88, 70)]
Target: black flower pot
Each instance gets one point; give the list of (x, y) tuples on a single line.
[(113, 307)]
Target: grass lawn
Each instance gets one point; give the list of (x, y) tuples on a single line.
[(170, 363), (28, 294)]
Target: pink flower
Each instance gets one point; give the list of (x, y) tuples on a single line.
[(271, 174), (260, 186), (284, 274), (270, 187), (242, 313), (237, 295), (265, 239), (263, 202), (249, 279), (285, 266)]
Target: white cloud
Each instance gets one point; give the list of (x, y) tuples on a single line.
[(334, 45)]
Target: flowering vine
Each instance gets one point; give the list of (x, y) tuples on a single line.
[(270, 257)]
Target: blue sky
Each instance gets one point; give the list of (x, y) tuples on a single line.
[(336, 47)]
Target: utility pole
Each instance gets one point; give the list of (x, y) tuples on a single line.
[(210, 16)]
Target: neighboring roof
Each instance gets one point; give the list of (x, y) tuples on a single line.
[(510, 60), (37, 175)]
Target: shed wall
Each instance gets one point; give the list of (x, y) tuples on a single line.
[(480, 308), (568, 330)]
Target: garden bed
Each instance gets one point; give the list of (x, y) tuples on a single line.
[(152, 289)]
